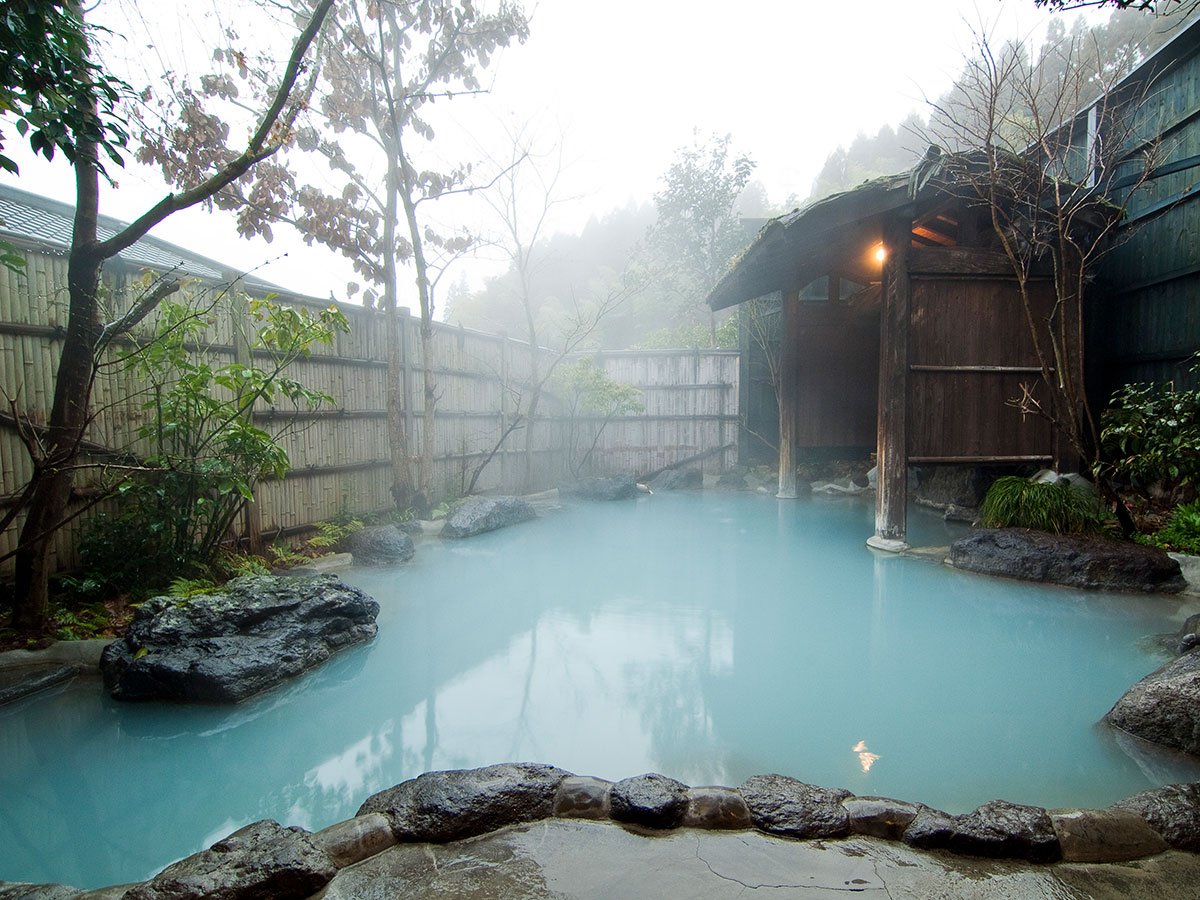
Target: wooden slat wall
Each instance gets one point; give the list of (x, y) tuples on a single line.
[(340, 457), (1147, 322), (971, 323), (691, 400)]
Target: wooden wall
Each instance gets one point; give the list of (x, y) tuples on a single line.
[(970, 352), (1147, 322), (339, 455)]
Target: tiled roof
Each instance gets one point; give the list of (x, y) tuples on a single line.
[(48, 222)]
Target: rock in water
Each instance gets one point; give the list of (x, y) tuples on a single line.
[(379, 545), (1164, 707), (1094, 563), (677, 480), (475, 515), (226, 646), (617, 487)]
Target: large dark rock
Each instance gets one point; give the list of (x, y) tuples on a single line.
[(677, 480), (259, 861), (379, 545), (653, 800), (618, 487), (475, 515), (448, 806), (998, 829), (1172, 810), (225, 646), (1095, 563), (782, 805), (1164, 707)]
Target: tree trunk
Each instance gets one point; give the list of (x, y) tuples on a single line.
[(69, 414), (397, 374)]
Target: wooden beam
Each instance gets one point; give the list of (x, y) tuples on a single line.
[(789, 394), (891, 496)]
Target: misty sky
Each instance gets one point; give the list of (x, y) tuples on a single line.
[(626, 82)]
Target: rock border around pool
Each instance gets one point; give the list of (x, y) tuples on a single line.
[(438, 807)]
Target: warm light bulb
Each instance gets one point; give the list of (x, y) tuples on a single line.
[(880, 253)]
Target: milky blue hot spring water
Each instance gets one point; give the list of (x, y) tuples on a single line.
[(708, 637)]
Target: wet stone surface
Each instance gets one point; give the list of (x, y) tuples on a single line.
[(1172, 810), (785, 806), (447, 806), (653, 800), (477, 515)]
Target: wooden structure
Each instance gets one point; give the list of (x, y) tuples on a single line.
[(1146, 322), (339, 454), (903, 330)]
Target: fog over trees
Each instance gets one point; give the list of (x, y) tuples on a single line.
[(626, 244)]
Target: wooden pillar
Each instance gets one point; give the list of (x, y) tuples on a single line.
[(789, 393), (891, 492)]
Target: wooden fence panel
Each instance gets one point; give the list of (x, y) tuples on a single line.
[(339, 454)]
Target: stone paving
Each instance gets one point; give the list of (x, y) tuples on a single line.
[(585, 860)]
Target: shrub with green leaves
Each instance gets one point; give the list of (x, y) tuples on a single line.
[(1056, 506), (1151, 433), (204, 452), (1182, 531)]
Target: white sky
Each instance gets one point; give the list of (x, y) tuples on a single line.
[(627, 82)]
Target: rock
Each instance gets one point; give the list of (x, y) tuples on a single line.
[(785, 806), (20, 890), (581, 797), (476, 515), (732, 481), (1172, 810), (716, 807), (379, 545), (261, 860), (1164, 707), (447, 806), (677, 480), (998, 830), (880, 817), (1094, 563), (1105, 835), (411, 527), (618, 487), (226, 646), (354, 840), (652, 800), (965, 514), (943, 487), (1001, 829)]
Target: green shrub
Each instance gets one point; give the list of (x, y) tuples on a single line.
[(1182, 531), (1057, 507), (1151, 433)]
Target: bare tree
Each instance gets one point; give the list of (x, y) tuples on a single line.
[(1040, 162)]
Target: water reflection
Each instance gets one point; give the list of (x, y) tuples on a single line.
[(706, 638)]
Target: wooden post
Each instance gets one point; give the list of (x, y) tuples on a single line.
[(891, 491), (789, 393)]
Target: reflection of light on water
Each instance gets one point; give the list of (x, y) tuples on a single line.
[(866, 759)]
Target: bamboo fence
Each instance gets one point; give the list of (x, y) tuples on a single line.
[(340, 461)]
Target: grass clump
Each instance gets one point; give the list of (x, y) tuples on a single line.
[(1056, 507)]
